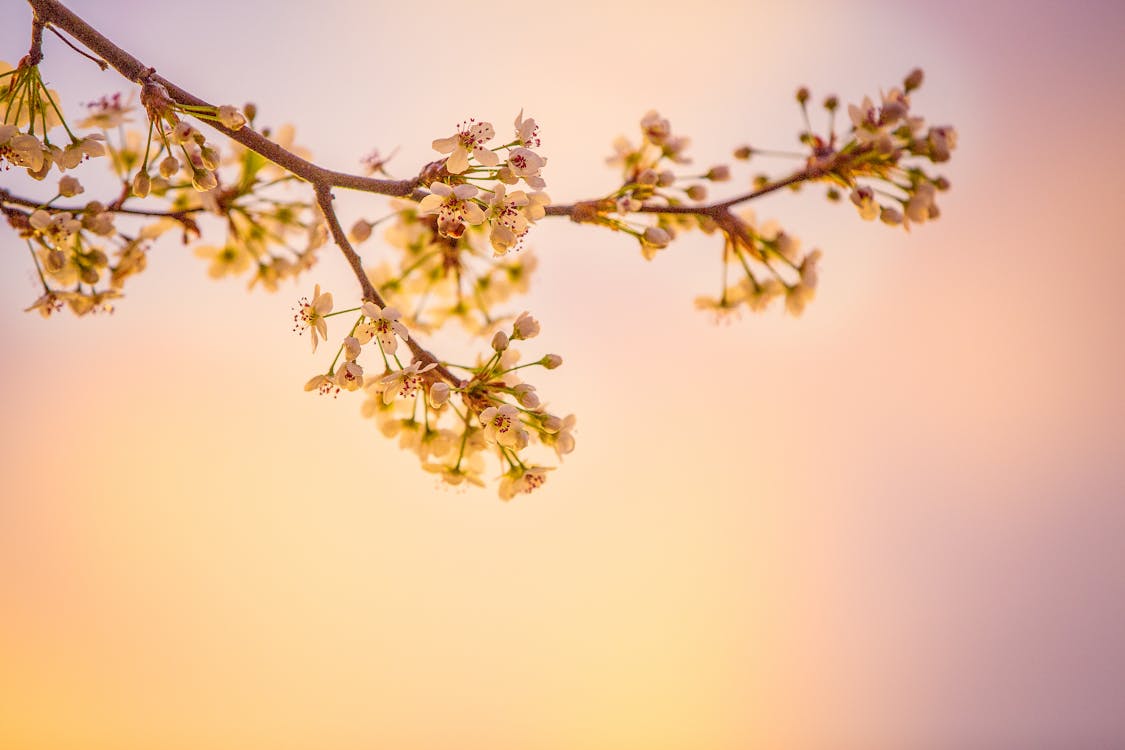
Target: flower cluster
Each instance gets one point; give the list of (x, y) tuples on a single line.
[(768, 264), (26, 102), (650, 181), (498, 413), (878, 162), (441, 278), (475, 194), (181, 147)]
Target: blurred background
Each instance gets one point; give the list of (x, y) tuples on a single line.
[(894, 522)]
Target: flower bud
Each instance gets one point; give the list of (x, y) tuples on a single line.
[(913, 81), (352, 348), (169, 165), (141, 185), (182, 133), (525, 394), (831, 103), (203, 180), (552, 424), (551, 361), (500, 341), (361, 230), (209, 156), (743, 152), (55, 261), (438, 394), (890, 216), (696, 192), (656, 237), (231, 118), (70, 187), (802, 95), (525, 327), (648, 177), (667, 178), (250, 109), (718, 173)]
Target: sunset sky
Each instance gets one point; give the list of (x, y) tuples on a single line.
[(895, 522)]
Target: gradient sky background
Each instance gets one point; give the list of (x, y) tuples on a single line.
[(895, 522)]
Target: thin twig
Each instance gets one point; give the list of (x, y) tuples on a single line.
[(96, 60)]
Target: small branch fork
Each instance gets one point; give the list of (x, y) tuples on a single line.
[(54, 15)]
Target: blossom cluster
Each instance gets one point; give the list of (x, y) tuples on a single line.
[(83, 258), (471, 185), (181, 147), (650, 181), (768, 263), (440, 278), (452, 424), (26, 102)]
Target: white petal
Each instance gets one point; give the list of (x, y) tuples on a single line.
[(445, 145)]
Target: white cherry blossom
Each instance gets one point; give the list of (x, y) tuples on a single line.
[(469, 139)]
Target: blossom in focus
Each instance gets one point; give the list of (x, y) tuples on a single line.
[(384, 325), (310, 315), (454, 207), (502, 425), (403, 382), (469, 139)]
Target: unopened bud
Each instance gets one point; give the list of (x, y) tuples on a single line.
[(361, 230), (141, 184), (182, 133), (656, 237), (500, 341), (209, 156), (438, 394), (696, 192), (231, 118), (552, 424), (169, 165), (743, 152), (203, 180), (551, 361), (525, 394), (890, 216), (913, 81), (648, 177), (831, 103), (802, 95), (718, 173), (69, 187), (250, 109), (55, 261)]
